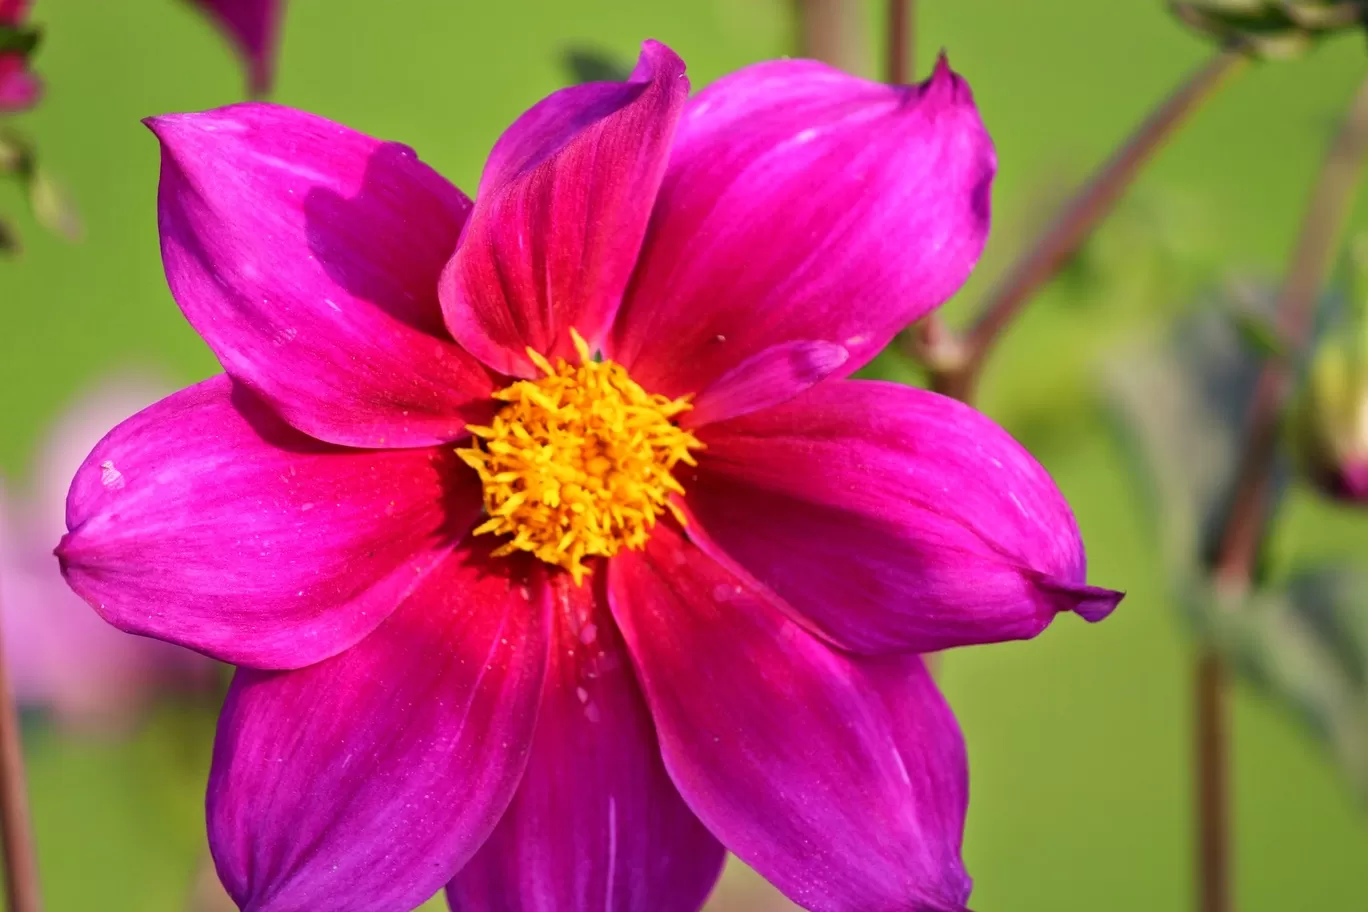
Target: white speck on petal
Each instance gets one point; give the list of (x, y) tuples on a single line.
[(111, 477)]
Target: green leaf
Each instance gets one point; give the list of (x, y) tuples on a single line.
[(1258, 333), (9, 241), (1305, 644), (586, 64), (19, 39), (53, 207), (1180, 404)]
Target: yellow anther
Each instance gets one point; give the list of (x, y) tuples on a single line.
[(579, 462)]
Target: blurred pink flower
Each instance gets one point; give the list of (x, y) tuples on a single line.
[(61, 658), (19, 88), (253, 26)]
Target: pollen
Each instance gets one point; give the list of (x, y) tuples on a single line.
[(580, 462)]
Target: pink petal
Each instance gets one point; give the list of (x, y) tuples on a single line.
[(19, 89), (254, 28), (13, 12), (363, 783), (892, 518), (307, 256), (596, 825), (803, 203), (61, 656), (206, 521), (772, 377), (561, 211), (786, 750)]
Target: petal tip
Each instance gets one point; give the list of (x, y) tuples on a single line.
[(1091, 603), (658, 61), (945, 85)]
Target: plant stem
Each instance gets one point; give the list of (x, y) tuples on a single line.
[(1242, 535), (21, 864), (832, 31), (955, 373), (1211, 736), (901, 54)]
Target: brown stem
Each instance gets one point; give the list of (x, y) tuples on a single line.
[(901, 53), (1076, 222), (832, 31), (1321, 231), (1237, 550), (16, 831), (1211, 736)]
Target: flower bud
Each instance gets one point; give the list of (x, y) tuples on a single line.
[(1272, 29), (1330, 418)]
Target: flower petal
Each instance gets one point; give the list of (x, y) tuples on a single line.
[(803, 203), (772, 377), (892, 518), (785, 749), (560, 214), (19, 89), (207, 521), (596, 825), (307, 256), (254, 28), (363, 783)]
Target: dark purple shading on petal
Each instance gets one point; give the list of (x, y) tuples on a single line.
[(786, 750), (596, 825), (206, 521), (560, 214), (892, 519), (804, 203), (253, 26), (772, 377), (363, 783), (307, 256)]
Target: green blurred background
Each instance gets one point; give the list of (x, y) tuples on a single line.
[(1079, 740)]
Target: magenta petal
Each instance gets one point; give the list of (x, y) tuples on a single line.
[(254, 28), (596, 825), (803, 203), (363, 783), (206, 521), (787, 750), (772, 377), (893, 519), (307, 256), (19, 89), (560, 214)]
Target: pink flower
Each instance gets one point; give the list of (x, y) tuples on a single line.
[(253, 26), (60, 657), (643, 626), (19, 89)]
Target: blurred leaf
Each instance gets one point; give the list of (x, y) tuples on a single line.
[(1258, 334), (9, 241), (19, 39), (53, 207), (1306, 645), (593, 65), (16, 154), (1180, 405)]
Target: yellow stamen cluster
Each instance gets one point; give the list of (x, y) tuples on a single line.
[(579, 463)]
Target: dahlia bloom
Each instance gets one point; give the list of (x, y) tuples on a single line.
[(19, 89), (253, 28), (558, 564), (61, 658)]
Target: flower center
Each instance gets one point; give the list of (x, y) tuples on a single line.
[(579, 463)]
